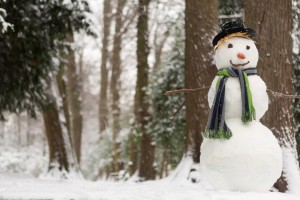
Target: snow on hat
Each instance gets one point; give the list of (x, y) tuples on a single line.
[(235, 29)]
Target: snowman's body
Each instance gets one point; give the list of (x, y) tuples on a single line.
[(251, 159), (233, 99)]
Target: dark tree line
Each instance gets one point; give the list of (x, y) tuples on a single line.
[(30, 59)]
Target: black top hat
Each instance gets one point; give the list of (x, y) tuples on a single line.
[(232, 27)]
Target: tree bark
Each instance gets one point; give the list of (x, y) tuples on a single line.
[(18, 116), (103, 111), (28, 134), (163, 172), (2, 129), (74, 99), (201, 23), (146, 170), (62, 87), (57, 150), (158, 47), (296, 63), (61, 156), (115, 85), (133, 155), (272, 21)]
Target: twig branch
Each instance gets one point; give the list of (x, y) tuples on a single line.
[(281, 95), (273, 93), (192, 91), (181, 105), (185, 91), (127, 22), (189, 93)]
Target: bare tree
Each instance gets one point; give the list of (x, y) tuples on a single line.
[(272, 21), (61, 155), (115, 84), (74, 99), (146, 170), (158, 46), (103, 111), (62, 87), (70, 92)]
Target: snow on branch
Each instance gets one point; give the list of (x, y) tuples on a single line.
[(3, 24)]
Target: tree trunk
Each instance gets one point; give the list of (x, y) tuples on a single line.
[(272, 21), (133, 155), (57, 150), (201, 25), (158, 47), (115, 85), (74, 99), (19, 130), (2, 129), (146, 170), (296, 63), (164, 164), (103, 111), (28, 135), (62, 87), (61, 156)]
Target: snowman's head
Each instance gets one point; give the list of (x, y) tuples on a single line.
[(238, 52), (235, 47)]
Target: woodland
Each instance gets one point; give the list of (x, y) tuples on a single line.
[(83, 85)]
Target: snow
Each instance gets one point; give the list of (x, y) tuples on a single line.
[(182, 171), (5, 25), (233, 107), (29, 161), (291, 170), (251, 160), (19, 164), (18, 187)]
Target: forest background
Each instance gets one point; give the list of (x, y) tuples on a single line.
[(83, 83)]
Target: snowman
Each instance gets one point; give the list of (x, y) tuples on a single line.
[(238, 152)]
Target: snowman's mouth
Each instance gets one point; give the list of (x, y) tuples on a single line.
[(239, 65)]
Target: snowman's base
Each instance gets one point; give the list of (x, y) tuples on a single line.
[(251, 160)]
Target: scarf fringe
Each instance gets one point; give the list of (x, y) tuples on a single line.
[(249, 116), (220, 134)]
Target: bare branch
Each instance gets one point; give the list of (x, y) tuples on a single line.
[(281, 95), (128, 21), (185, 91), (182, 104), (273, 93)]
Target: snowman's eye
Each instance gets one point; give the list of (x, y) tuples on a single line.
[(230, 45), (247, 47)]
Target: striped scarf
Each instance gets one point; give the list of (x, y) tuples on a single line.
[(216, 126)]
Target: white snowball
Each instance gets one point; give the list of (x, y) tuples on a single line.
[(233, 98), (250, 160), (224, 55)]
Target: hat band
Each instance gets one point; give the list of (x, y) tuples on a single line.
[(227, 37)]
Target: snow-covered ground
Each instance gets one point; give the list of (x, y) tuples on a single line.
[(20, 187), (17, 181)]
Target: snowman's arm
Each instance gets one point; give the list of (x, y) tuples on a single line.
[(212, 92)]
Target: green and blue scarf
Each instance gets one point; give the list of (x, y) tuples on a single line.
[(216, 125)]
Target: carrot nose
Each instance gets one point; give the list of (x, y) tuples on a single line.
[(241, 56)]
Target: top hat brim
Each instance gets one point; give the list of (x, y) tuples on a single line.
[(250, 32)]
